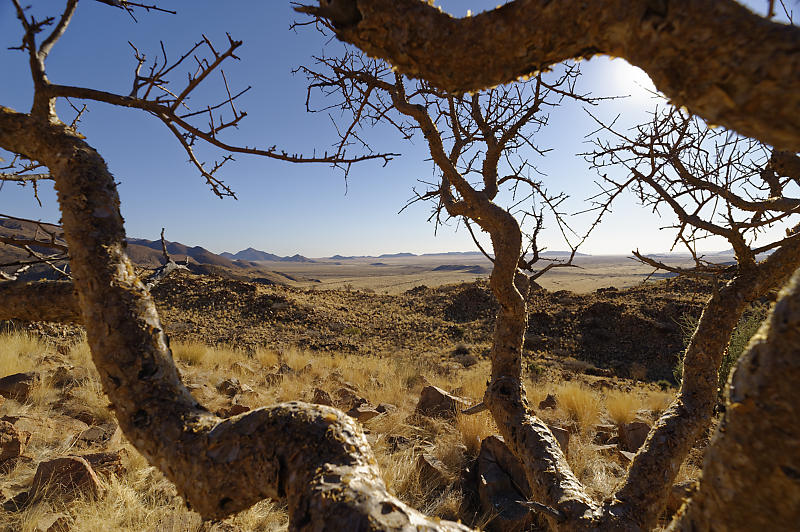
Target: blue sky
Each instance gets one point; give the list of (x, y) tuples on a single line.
[(286, 208)]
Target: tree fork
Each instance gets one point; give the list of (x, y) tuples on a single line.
[(219, 466), (715, 57)]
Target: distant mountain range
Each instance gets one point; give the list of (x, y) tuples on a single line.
[(252, 254)]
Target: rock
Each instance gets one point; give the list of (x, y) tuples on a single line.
[(432, 472), (562, 436), (12, 441), (632, 435), (604, 434), (64, 427), (285, 369), (548, 402), (677, 495), (385, 408), (395, 442), (98, 434), (435, 402), (229, 387), (52, 522), (363, 413), (66, 376), (501, 484), (627, 457), (18, 386), (107, 464), (321, 397), (68, 478), (348, 399)]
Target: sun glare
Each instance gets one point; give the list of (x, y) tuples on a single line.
[(629, 79)]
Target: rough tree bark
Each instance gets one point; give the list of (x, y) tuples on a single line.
[(715, 57), (314, 456), (751, 472)]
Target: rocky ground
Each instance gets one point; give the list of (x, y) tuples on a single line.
[(402, 365)]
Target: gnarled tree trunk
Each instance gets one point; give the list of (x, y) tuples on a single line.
[(314, 456)]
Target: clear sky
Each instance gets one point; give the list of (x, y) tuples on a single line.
[(287, 208)]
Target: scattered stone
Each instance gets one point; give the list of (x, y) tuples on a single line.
[(562, 437), (627, 457), (432, 471), (68, 477), (435, 402), (285, 369), (98, 434), (548, 402), (229, 387), (65, 427), (501, 484), (632, 435), (52, 522), (66, 376), (108, 464), (604, 434), (386, 408), (600, 384), (363, 413), (677, 495), (348, 398), (321, 397), (12, 441), (18, 386)]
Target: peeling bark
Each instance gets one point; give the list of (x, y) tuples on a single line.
[(723, 62), (39, 301), (751, 473), (314, 456)]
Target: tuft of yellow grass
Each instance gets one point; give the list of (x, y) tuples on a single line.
[(621, 406), (658, 401), (19, 351), (199, 354), (474, 429), (580, 402)]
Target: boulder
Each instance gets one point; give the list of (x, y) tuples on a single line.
[(12, 441), (229, 387), (435, 402), (363, 413), (321, 397), (562, 437), (18, 386), (604, 434), (68, 478), (432, 472), (107, 464), (501, 484), (632, 435), (98, 435), (347, 398), (548, 402)]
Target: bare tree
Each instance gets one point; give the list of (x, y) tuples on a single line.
[(715, 57), (716, 184), (223, 466), (220, 466)]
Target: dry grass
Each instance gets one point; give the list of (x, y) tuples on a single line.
[(621, 406), (18, 352), (143, 499), (580, 402)]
